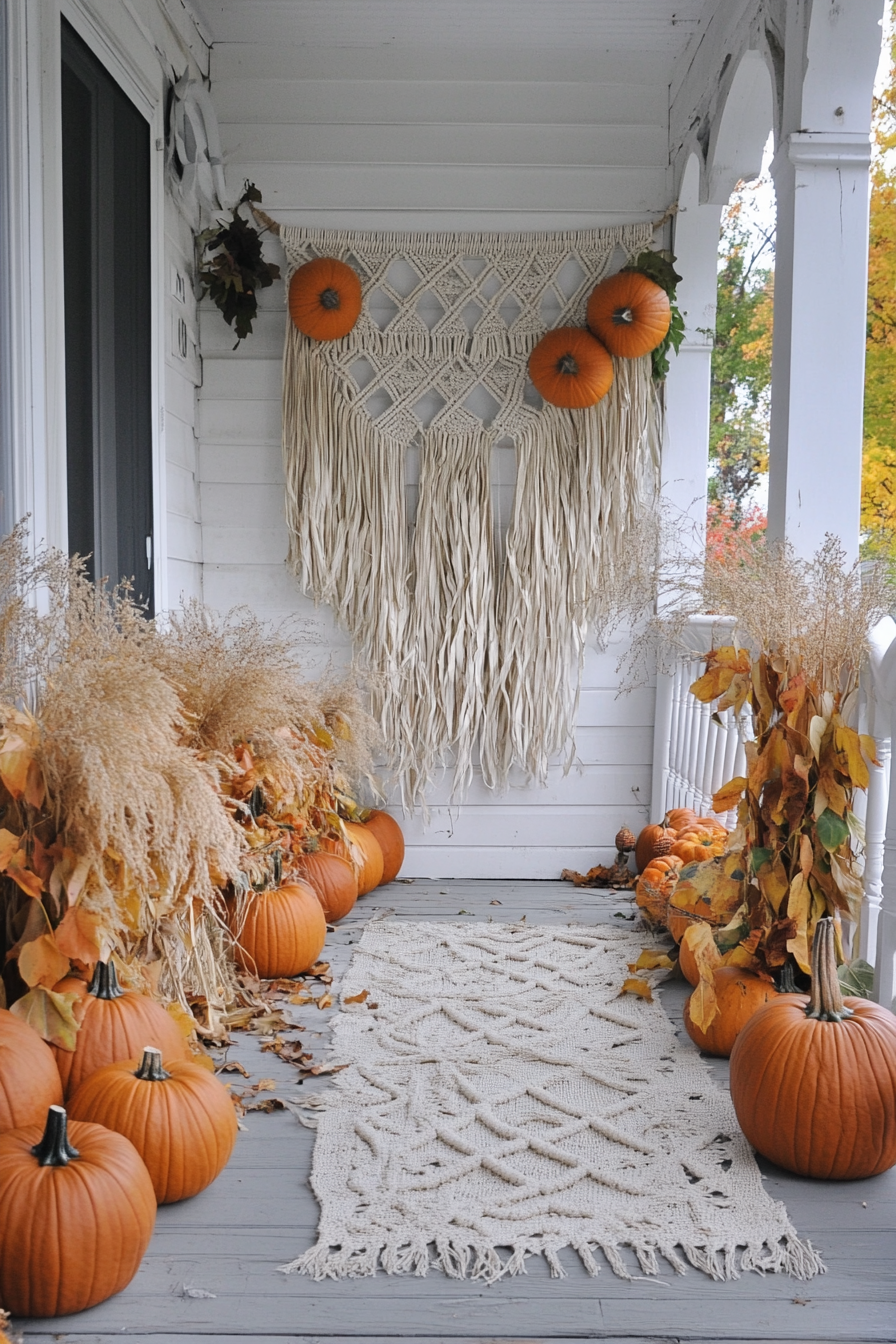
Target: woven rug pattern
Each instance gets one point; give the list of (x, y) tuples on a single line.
[(503, 1101)]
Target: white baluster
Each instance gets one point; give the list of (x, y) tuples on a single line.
[(662, 746), (883, 670)]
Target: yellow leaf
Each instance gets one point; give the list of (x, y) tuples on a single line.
[(325, 1001), (869, 747), (636, 986), (738, 956), (203, 1060), (51, 1015), (728, 656), (799, 903), (185, 1022), (356, 998), (729, 795), (9, 843), (14, 762), (700, 943), (703, 1005), (41, 962), (847, 741), (651, 959), (301, 999), (78, 937), (17, 868), (773, 882), (713, 683), (266, 1085)]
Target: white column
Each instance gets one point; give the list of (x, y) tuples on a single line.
[(821, 268), (686, 442), (821, 262)]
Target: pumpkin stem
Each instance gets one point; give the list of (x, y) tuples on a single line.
[(623, 317), (785, 983), (54, 1149), (330, 300), (825, 998), (567, 364), (150, 1070), (104, 984)]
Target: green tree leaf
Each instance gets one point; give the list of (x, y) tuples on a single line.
[(832, 830)]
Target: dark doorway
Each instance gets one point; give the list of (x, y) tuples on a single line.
[(106, 224)]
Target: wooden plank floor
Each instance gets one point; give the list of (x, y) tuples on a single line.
[(260, 1213)]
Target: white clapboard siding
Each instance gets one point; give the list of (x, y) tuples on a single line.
[(546, 136)]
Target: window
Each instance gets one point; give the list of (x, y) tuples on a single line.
[(106, 224)]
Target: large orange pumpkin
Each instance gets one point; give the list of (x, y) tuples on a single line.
[(655, 886), (739, 994), (78, 1212), (325, 299), (334, 881), (391, 842), (813, 1079), (29, 1078), (646, 845), (679, 817), (115, 1025), (367, 856), (179, 1118), (283, 932), (570, 368), (630, 313)]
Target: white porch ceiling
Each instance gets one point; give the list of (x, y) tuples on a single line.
[(631, 26)]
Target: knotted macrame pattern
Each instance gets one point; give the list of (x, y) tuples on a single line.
[(463, 649), (502, 1101)]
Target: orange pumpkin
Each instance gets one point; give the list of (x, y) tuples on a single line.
[(697, 846), (29, 1078), (646, 845), (115, 1024), (570, 368), (283, 932), (679, 817), (179, 1118), (655, 886), (325, 299), (739, 994), (78, 1213), (391, 842), (367, 856), (334, 882), (813, 1078), (630, 313)]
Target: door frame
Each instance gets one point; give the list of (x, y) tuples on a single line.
[(36, 414)]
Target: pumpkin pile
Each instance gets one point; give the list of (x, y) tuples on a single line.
[(629, 315), (78, 1201)]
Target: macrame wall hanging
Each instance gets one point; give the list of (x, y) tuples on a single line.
[(464, 651)]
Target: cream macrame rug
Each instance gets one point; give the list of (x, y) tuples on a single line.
[(502, 1097)]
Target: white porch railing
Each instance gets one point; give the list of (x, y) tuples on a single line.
[(695, 752)]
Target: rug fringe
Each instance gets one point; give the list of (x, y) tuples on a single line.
[(475, 1259)]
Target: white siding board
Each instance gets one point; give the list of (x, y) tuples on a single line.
[(259, 61), (242, 506), (226, 420), (231, 463), (373, 143), (184, 539), (631, 193), (249, 379), (245, 545), (182, 492), (476, 827), (342, 101), (184, 581)]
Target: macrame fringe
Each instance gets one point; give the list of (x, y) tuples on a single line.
[(474, 1258), (335, 242)]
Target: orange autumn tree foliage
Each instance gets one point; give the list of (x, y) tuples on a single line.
[(879, 455)]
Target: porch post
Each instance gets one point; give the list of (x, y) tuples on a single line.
[(686, 436), (821, 263)]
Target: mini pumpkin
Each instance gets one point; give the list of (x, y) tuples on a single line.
[(78, 1213), (679, 817), (391, 841), (739, 994), (114, 1024), (29, 1078), (630, 313), (325, 298), (570, 368), (333, 879), (283, 932), (695, 846), (655, 886), (179, 1118), (813, 1079), (367, 856), (646, 845)]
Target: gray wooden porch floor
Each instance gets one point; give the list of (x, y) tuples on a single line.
[(260, 1213)]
